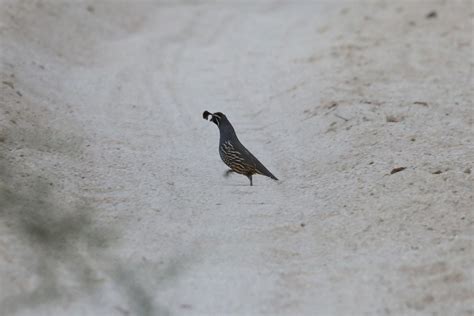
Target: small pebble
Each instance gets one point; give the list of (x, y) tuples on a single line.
[(432, 15), (398, 169)]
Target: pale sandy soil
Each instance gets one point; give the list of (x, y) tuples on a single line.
[(112, 200)]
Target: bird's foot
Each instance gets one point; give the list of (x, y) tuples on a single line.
[(250, 178), (228, 172)]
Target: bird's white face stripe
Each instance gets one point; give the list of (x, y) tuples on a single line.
[(217, 119)]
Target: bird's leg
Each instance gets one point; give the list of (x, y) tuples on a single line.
[(250, 178), (228, 172)]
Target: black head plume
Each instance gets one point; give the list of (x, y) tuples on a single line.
[(206, 114), (216, 118)]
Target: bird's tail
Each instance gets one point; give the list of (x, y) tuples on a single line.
[(264, 171)]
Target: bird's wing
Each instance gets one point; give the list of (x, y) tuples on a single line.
[(259, 167)]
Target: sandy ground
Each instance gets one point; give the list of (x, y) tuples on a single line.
[(112, 199)]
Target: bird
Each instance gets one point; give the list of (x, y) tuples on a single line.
[(238, 158)]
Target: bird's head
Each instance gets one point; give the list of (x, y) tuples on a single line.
[(217, 118)]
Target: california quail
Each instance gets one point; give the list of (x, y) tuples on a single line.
[(233, 153)]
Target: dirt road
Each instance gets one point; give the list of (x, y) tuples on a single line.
[(112, 199)]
